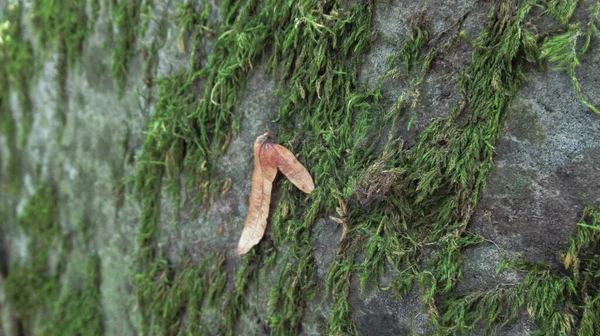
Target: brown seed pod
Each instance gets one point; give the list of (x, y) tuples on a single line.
[(268, 157)]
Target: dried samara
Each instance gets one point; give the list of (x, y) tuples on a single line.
[(268, 157)]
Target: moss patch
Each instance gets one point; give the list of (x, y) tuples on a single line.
[(562, 299), (62, 24), (401, 208), (30, 284), (78, 310), (173, 298), (16, 71), (34, 286), (66, 25), (564, 50), (320, 54), (130, 20), (438, 180), (61, 27), (427, 192)]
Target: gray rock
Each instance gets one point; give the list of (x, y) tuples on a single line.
[(547, 169)]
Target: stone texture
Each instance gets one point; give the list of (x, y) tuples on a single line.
[(547, 171), (547, 168)]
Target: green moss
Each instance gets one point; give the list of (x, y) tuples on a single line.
[(394, 202), (426, 193), (61, 27), (338, 286), (174, 297), (189, 132), (194, 25), (30, 285), (34, 288), (562, 300), (235, 298), (78, 310), (16, 70), (63, 24), (420, 204), (128, 25), (562, 10), (94, 13), (150, 53), (322, 112), (411, 64), (562, 50), (62, 101)]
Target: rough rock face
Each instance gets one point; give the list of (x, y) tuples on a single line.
[(547, 169)]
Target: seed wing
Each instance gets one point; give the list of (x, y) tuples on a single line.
[(265, 169), (293, 169)]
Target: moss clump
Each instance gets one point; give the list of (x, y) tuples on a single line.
[(34, 288), (439, 179), (430, 189), (61, 27), (175, 297), (235, 298), (128, 26), (561, 51), (562, 299), (189, 132), (62, 24), (561, 10), (16, 70), (194, 26), (31, 285), (437, 182), (78, 310)]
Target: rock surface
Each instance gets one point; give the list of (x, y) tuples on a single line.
[(547, 168)]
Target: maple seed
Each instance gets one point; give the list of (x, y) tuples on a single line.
[(268, 157)]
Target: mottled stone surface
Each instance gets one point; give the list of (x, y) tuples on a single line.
[(547, 168)]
